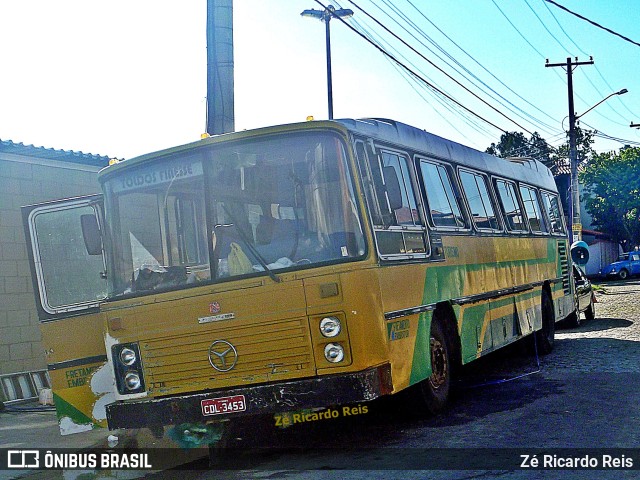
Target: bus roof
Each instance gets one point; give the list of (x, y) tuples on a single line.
[(522, 168), (391, 132)]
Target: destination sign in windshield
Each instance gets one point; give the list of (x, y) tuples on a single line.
[(159, 174)]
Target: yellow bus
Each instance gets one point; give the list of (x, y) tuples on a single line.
[(289, 268)]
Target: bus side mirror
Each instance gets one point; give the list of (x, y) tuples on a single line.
[(580, 253), (91, 234), (393, 187)]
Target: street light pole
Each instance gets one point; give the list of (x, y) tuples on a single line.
[(621, 92), (325, 16)]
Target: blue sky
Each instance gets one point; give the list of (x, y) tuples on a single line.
[(123, 78)]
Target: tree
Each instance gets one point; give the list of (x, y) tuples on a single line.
[(515, 144), (584, 140), (612, 193)]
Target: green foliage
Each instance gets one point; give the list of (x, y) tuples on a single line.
[(612, 193), (515, 144), (584, 140)]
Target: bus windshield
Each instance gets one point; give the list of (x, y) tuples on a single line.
[(229, 210)]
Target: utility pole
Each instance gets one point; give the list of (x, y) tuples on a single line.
[(575, 225), (634, 125), (220, 95)]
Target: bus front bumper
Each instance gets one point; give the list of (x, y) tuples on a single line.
[(317, 392)]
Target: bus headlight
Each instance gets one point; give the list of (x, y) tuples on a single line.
[(127, 365), (334, 352), (127, 356), (330, 327), (132, 381)]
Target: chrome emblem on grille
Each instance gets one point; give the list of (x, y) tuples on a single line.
[(223, 356)]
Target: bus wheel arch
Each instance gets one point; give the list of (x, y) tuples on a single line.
[(546, 335), (444, 342), (446, 316)]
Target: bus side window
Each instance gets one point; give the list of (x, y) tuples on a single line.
[(510, 204), (406, 212), (552, 208), (480, 203), (375, 172), (443, 207), (391, 200), (373, 188), (532, 209)]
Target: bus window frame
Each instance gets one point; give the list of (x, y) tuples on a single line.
[(492, 198), (542, 218), (457, 193), (514, 183), (381, 150), (366, 184), (552, 232)]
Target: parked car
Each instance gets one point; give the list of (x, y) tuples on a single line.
[(585, 298), (628, 264)]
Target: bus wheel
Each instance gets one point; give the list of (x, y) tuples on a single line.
[(590, 313), (545, 337), (573, 320), (434, 391)]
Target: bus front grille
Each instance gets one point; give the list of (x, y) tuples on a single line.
[(228, 356)]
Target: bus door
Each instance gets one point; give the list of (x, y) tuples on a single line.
[(69, 284)]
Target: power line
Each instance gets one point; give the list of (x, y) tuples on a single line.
[(627, 39), (562, 29), (435, 66), (545, 27), (486, 88), (387, 54), (478, 63), (588, 78), (415, 82), (525, 38), (624, 141), (584, 72)]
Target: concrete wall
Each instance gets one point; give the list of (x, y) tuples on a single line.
[(26, 180)]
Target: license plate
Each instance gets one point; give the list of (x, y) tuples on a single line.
[(221, 405)]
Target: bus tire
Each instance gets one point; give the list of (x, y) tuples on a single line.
[(546, 335), (590, 313), (434, 390), (573, 320)]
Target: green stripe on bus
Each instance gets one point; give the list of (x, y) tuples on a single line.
[(65, 409), (444, 283)]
